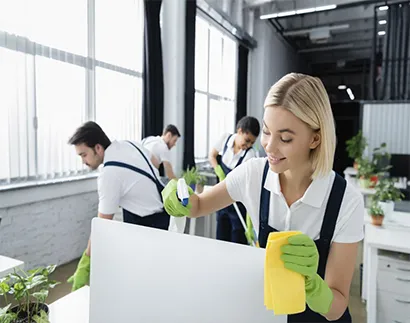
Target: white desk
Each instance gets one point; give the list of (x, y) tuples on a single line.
[(392, 239), (7, 265), (73, 308)]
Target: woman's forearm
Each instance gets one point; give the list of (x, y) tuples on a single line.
[(338, 307)]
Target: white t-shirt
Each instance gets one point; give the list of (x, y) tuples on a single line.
[(231, 159), (118, 186), (157, 147), (306, 214)]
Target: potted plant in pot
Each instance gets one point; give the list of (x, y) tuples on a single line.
[(355, 147), (194, 179), (376, 213), (366, 173), (29, 291), (386, 194)]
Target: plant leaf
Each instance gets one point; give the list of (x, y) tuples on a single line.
[(41, 295), (43, 318)]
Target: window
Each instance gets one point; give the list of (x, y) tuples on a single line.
[(215, 83), (62, 63)]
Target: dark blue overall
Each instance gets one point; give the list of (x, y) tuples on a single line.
[(229, 226), (158, 220), (322, 244)]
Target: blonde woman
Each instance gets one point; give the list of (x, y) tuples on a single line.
[(294, 188)]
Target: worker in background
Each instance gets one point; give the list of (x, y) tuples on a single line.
[(230, 151), (160, 147), (127, 180)]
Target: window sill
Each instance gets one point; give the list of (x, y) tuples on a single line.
[(37, 191)]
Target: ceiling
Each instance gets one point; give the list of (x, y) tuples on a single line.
[(337, 43)]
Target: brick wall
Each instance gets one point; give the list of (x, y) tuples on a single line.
[(48, 231)]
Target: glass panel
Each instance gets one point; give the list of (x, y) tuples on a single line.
[(118, 104), (201, 121), (60, 109), (119, 27)]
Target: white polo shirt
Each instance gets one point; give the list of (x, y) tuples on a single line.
[(306, 214), (231, 159), (118, 186), (157, 147)]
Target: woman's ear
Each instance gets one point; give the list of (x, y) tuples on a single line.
[(316, 139)]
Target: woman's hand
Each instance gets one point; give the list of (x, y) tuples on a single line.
[(301, 255), (172, 204)]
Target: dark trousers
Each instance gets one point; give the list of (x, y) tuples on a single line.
[(158, 220), (229, 227)]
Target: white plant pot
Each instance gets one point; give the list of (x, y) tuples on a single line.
[(388, 209)]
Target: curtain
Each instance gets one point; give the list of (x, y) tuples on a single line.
[(242, 82), (153, 78), (189, 110), (391, 62)]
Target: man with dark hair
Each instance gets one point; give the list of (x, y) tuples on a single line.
[(160, 146), (127, 180), (230, 151)]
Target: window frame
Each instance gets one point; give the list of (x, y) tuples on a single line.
[(89, 63), (210, 95)]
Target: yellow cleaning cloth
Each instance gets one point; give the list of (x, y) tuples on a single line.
[(284, 289)]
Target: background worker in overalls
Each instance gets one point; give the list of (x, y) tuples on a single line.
[(160, 147), (127, 180), (229, 152), (295, 188)]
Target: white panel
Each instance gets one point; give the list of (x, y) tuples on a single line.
[(389, 123), (160, 276)]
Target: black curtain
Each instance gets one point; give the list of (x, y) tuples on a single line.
[(189, 111), (391, 59), (242, 82), (153, 78)]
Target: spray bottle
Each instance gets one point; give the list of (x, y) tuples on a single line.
[(182, 192)]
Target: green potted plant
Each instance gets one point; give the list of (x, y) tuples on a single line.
[(366, 173), (355, 147), (194, 179), (29, 291), (376, 212), (386, 194)]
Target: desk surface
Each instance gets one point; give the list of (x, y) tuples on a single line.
[(388, 239), (73, 308), (7, 265)]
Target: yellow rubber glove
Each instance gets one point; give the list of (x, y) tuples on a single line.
[(220, 173), (81, 276), (300, 255), (172, 204)]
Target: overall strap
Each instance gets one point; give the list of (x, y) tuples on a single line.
[(130, 167), (329, 221), (242, 158), (264, 229), (226, 145), (143, 155)]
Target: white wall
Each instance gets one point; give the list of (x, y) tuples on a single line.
[(173, 52), (272, 59), (48, 224)]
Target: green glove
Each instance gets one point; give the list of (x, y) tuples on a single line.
[(220, 173), (172, 204), (249, 233), (301, 255), (81, 276)]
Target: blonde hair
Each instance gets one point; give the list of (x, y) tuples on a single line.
[(306, 97)]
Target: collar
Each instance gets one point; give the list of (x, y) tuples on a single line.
[(230, 144), (314, 195), (107, 151)]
